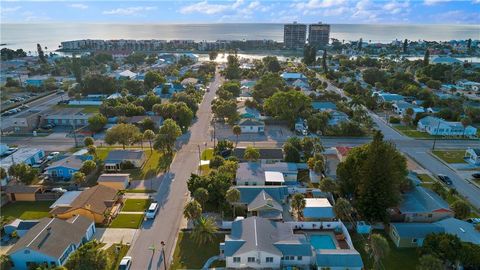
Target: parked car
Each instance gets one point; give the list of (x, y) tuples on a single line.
[(476, 175), (52, 155), (47, 126), (474, 220), (125, 263), (445, 179), (152, 210), (59, 190)]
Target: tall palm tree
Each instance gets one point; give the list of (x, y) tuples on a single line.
[(204, 230), (298, 204), (237, 130), (201, 195), (343, 209), (92, 150), (379, 249), (192, 210), (232, 196), (149, 135), (79, 178), (466, 121)]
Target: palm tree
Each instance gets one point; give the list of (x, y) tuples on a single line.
[(251, 154), (192, 210), (149, 135), (237, 130), (466, 121), (79, 178), (92, 150), (204, 230), (232, 196), (201, 195), (343, 209), (298, 204), (139, 139), (356, 102), (379, 249)]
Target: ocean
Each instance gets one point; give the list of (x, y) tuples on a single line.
[(49, 35)]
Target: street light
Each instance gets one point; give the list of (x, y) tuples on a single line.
[(163, 254)]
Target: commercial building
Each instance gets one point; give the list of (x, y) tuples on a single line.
[(294, 35), (318, 35)]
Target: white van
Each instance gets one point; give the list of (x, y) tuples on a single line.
[(152, 210)]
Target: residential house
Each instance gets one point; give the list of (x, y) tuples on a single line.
[(64, 169), (63, 118), (137, 119), (337, 117), (168, 89), (401, 107), (318, 209), (116, 158), (469, 85), (437, 126), (263, 200), (383, 97), (324, 106), (421, 205), (259, 243), (265, 206), (338, 259), (472, 156), (301, 84), (29, 156), (20, 227), (292, 76), (118, 181), (414, 234), (126, 74), (23, 193), (269, 155), (342, 152), (445, 60), (99, 203), (36, 81), (268, 174), (249, 125), (50, 242), (189, 81), (246, 112)]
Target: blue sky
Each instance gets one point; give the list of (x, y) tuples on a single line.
[(245, 11)]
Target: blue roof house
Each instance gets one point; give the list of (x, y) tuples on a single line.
[(292, 76), (65, 168), (324, 106), (170, 89), (318, 209)]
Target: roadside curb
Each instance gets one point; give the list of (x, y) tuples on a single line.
[(453, 169)]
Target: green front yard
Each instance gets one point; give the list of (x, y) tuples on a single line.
[(116, 254), (127, 221), (450, 156), (207, 154), (188, 256), (25, 210), (136, 205), (397, 259), (412, 132), (86, 108)]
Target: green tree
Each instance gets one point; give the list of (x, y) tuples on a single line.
[(223, 146), (237, 131), (232, 71), (88, 167), (152, 79), (343, 209), (79, 178), (192, 210), (92, 150), (212, 55), (292, 154), (124, 134), (324, 62), (41, 54), (97, 122), (317, 163), (309, 55), (429, 262), (466, 121), (461, 209), (232, 197), (426, 58), (89, 256), (88, 141), (405, 45), (288, 105), (3, 173), (204, 230), (167, 135), (225, 109), (183, 115), (298, 204), (447, 247), (267, 85), (23, 173), (328, 185), (251, 154), (201, 196), (216, 162), (149, 135), (271, 64), (379, 249)]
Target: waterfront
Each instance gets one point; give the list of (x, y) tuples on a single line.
[(26, 36)]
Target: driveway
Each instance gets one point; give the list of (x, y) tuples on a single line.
[(113, 236)]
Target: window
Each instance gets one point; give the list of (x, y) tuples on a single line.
[(251, 259), (269, 259), (414, 240), (236, 259), (299, 258), (430, 215)]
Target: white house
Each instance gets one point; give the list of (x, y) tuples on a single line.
[(437, 126), (252, 125), (469, 85), (259, 243), (401, 107), (472, 156), (51, 242)]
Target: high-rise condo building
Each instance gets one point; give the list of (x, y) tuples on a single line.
[(318, 34), (294, 35)]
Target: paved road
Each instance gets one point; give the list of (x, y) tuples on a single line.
[(172, 193)]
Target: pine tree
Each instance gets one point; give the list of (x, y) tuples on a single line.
[(324, 61), (426, 58)]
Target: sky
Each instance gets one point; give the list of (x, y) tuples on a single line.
[(243, 11)]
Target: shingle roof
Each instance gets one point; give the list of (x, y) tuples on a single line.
[(320, 105), (339, 258), (97, 199), (263, 199), (53, 236), (249, 193), (22, 189), (114, 177), (416, 230), (26, 224), (72, 162), (259, 234), (265, 153), (250, 122), (464, 230), (120, 155), (422, 200)]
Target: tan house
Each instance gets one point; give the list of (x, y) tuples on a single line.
[(23, 193), (118, 181), (99, 203)]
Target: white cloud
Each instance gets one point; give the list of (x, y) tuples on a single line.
[(395, 7), (205, 8), (10, 9), (475, 1), (128, 10), (78, 6), (316, 4), (434, 2)]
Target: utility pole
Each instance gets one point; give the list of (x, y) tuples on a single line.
[(74, 132), (436, 134), (163, 255), (199, 158)]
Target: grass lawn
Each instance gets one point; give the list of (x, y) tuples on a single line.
[(207, 154), (425, 178), (451, 156), (116, 254), (136, 205), (412, 132), (86, 108), (139, 191), (26, 210), (187, 255), (127, 221), (397, 259)]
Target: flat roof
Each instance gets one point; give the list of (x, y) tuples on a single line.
[(317, 202), (276, 177), (66, 199)]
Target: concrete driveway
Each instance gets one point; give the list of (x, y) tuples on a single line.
[(111, 236)]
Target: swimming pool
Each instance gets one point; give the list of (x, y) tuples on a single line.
[(321, 241)]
